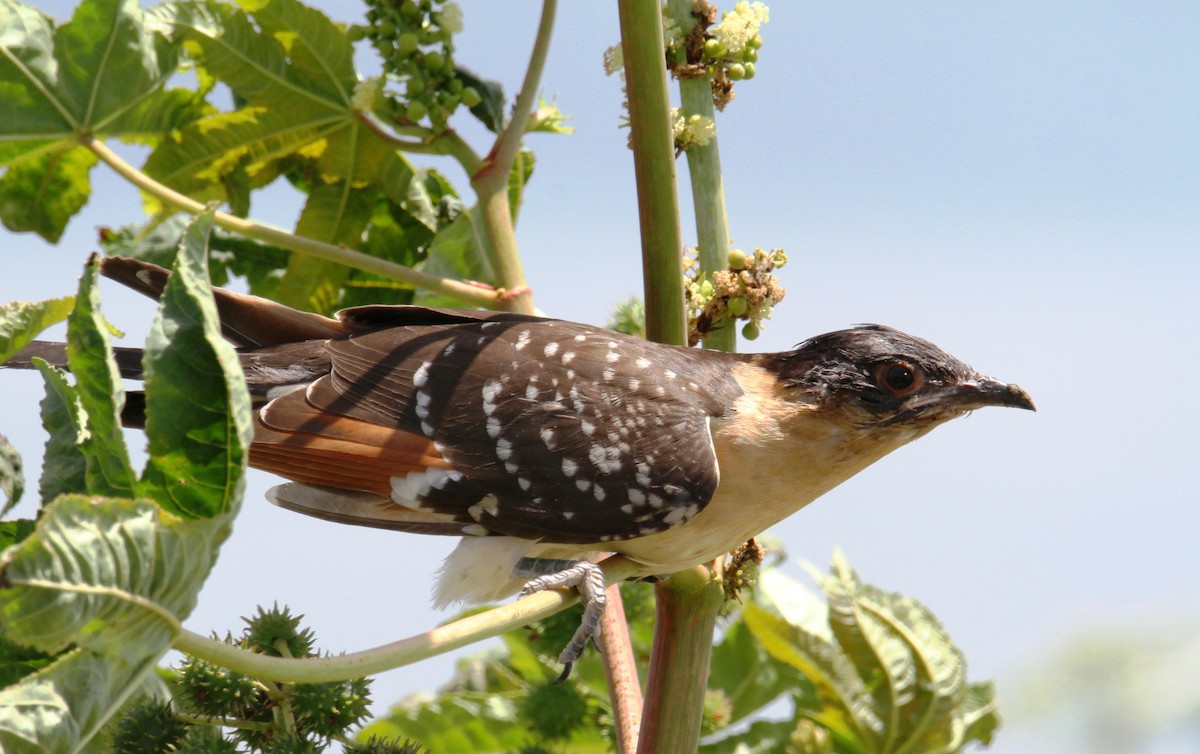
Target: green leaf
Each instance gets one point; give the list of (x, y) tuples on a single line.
[(42, 194), (465, 725), (21, 321), (980, 714), (99, 391), (761, 737), (904, 653), (111, 578), (334, 213), (517, 178), (749, 677), (492, 110), (102, 74), (198, 425), (457, 252), (65, 464), (12, 474), (843, 702), (295, 78)]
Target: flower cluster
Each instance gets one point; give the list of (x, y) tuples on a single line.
[(746, 290), (697, 130)]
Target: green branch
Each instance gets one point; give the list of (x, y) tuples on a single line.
[(491, 180), (654, 169), (468, 293), (437, 641)]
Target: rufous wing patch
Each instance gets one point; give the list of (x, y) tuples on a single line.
[(306, 444)]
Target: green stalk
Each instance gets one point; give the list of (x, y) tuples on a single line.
[(468, 293), (686, 609), (687, 602), (491, 181), (431, 643), (704, 169), (654, 168)]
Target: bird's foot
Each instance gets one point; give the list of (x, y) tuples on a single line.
[(588, 580)]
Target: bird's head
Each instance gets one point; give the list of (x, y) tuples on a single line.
[(879, 381)]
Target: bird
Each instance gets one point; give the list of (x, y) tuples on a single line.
[(547, 445)]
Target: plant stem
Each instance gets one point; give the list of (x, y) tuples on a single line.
[(654, 168), (687, 605), (620, 670), (704, 170), (437, 641), (491, 180), (468, 293)]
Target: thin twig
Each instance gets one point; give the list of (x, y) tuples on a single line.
[(437, 641), (468, 293)]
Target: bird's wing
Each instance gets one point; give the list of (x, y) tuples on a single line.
[(512, 425)]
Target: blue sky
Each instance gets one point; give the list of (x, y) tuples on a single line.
[(1018, 182)]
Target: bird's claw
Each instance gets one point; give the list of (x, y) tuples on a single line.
[(588, 580)]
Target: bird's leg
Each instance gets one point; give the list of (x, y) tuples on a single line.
[(581, 575)]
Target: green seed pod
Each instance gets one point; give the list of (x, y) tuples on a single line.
[(750, 70), (737, 305), (749, 55), (713, 48), (751, 331), (434, 61), (416, 110), (737, 259), (736, 71), (755, 41), (406, 43), (470, 96)]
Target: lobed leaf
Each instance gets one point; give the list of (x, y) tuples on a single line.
[(198, 428), (12, 474), (844, 704), (22, 321), (99, 393), (64, 464), (101, 73), (43, 193)]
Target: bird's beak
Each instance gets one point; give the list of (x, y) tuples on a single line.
[(984, 391)]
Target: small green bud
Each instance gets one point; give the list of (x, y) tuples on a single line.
[(736, 71), (406, 44), (737, 259), (713, 48), (355, 33), (409, 11), (434, 61), (386, 29), (754, 42), (751, 331), (470, 96), (706, 289), (737, 305), (455, 86), (749, 55), (429, 35), (750, 70), (448, 101), (416, 110), (415, 85)]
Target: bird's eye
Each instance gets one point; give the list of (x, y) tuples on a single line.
[(897, 377)]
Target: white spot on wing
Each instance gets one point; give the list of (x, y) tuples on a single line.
[(550, 349), (548, 438), (421, 376), (612, 356), (642, 363), (503, 449), (569, 467), (523, 339)]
